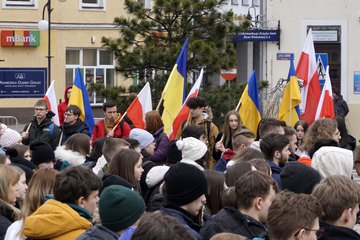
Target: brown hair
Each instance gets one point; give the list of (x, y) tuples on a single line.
[(227, 236), (153, 121), (41, 102), (251, 185), (336, 194), (156, 225), (290, 212), (235, 171), (215, 189), (247, 154), (243, 136), (228, 197), (20, 148), (111, 145), (41, 184), (75, 182), (271, 143), (228, 131), (321, 129), (78, 142), (261, 165), (123, 163), (73, 109)]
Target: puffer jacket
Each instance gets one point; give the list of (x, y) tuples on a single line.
[(98, 233), (55, 221)]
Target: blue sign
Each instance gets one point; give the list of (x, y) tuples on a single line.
[(284, 56), (258, 36), (356, 82), (22, 82), (321, 63)]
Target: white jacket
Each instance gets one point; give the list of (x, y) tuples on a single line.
[(74, 158)]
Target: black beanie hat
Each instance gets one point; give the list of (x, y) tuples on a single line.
[(41, 152), (173, 154), (184, 184), (299, 178)]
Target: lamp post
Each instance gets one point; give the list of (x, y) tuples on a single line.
[(44, 25)]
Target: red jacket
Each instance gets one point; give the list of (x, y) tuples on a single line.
[(121, 131), (62, 106)]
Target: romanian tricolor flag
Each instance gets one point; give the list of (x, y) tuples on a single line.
[(250, 104), (80, 98), (175, 90), (289, 109)]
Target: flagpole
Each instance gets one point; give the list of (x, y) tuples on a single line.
[(159, 104), (122, 117)]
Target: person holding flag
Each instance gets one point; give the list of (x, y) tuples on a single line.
[(112, 125)]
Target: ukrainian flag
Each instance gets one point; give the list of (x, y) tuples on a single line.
[(80, 98), (174, 92), (250, 104), (289, 108)]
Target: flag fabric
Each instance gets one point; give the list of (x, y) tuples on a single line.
[(306, 71), (250, 104), (175, 90), (80, 98), (326, 104), (185, 110), (291, 98), (50, 97), (139, 107)]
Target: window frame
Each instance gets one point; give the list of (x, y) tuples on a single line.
[(23, 4), (245, 2), (99, 6)]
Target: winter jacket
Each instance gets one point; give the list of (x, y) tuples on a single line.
[(72, 157), (341, 107), (122, 130), (160, 152), (6, 219), (78, 127), (332, 232), (62, 106), (42, 131), (183, 218), (231, 220), (276, 170), (98, 233), (56, 220)]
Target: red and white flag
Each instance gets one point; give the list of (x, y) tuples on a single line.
[(185, 111), (139, 107), (326, 104), (50, 97), (306, 72)]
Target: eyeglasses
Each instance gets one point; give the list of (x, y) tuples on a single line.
[(68, 114), (319, 232), (40, 109)]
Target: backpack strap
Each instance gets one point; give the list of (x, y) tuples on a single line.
[(51, 130)]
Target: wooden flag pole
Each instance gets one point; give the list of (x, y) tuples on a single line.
[(122, 117), (159, 104)]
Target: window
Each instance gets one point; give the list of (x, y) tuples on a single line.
[(235, 2), (255, 3), (96, 65), (20, 3), (245, 2), (92, 4), (147, 4)]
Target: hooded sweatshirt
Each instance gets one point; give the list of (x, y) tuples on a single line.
[(62, 106)]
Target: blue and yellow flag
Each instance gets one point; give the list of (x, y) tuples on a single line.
[(289, 107), (250, 104), (80, 98), (174, 92)]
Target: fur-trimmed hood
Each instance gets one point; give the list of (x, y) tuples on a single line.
[(74, 158)]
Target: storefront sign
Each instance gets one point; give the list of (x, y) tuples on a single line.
[(22, 82), (258, 36), (284, 56), (19, 38)]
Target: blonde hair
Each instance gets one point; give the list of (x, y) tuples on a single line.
[(8, 177)]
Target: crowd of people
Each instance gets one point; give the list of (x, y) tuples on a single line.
[(282, 182)]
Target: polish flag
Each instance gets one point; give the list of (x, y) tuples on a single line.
[(185, 111), (306, 72), (139, 107), (50, 97), (326, 104)]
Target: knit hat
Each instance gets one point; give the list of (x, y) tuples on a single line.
[(173, 154), (120, 207), (41, 152), (155, 175), (9, 137), (184, 184), (331, 161), (299, 178), (192, 149), (144, 137)]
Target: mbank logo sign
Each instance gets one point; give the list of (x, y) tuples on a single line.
[(18, 38)]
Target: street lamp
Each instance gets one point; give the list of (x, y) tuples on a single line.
[(44, 25)]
